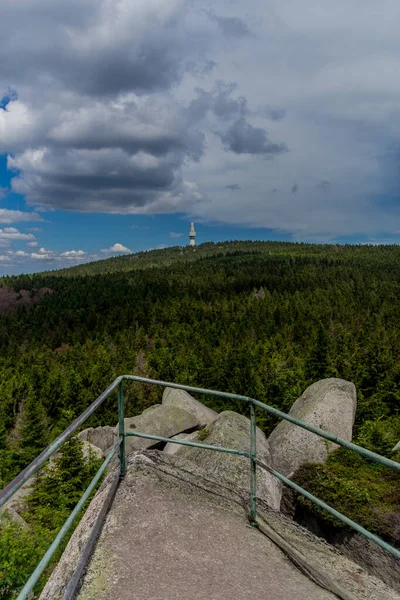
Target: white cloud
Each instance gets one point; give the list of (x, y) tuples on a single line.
[(73, 254), (163, 134), (8, 235), (14, 216), (42, 256), (172, 234), (116, 249), (32, 244)]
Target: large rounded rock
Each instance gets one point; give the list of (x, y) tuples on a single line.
[(329, 404), (185, 401), (231, 430), (102, 437), (165, 421)]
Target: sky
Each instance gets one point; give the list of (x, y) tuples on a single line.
[(123, 120)]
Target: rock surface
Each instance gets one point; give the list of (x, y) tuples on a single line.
[(89, 451), (175, 531), (183, 400), (329, 404), (174, 448), (232, 430), (102, 437), (165, 421)]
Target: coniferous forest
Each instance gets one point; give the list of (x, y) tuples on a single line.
[(264, 319)]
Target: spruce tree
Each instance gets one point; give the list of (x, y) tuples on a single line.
[(72, 472), (317, 362), (35, 428)]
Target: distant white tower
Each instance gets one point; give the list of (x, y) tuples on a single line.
[(192, 235)]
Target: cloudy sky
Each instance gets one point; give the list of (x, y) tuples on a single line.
[(123, 120)]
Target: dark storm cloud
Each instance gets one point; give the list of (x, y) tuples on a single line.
[(96, 47), (230, 26), (324, 186), (243, 138), (89, 180), (234, 187), (274, 113), (151, 125), (220, 101), (94, 124)]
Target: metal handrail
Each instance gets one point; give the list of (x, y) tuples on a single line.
[(38, 462)]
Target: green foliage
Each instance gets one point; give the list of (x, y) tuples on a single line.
[(60, 485), (192, 316), (34, 430), (203, 433), (57, 489), (380, 436), (20, 549), (367, 493)]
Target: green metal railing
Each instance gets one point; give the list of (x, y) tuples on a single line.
[(35, 465)]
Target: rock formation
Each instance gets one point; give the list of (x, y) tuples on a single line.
[(175, 530), (231, 430), (183, 400), (174, 496), (102, 437), (329, 404), (174, 448), (165, 421)]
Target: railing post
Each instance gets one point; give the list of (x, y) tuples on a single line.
[(253, 465), (121, 429)]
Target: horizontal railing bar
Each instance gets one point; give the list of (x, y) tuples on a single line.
[(187, 388), (332, 511), (185, 443), (33, 579), (277, 413), (332, 438), (35, 465)]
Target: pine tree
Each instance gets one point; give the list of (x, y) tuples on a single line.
[(317, 362), (34, 431), (72, 472)]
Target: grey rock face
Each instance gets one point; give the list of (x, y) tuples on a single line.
[(174, 448), (90, 451), (16, 504), (183, 400), (329, 404), (165, 421), (174, 528), (232, 430), (102, 437)]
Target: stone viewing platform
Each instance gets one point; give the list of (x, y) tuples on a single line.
[(179, 528)]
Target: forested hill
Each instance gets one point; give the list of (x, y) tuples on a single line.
[(261, 319), (200, 316)]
